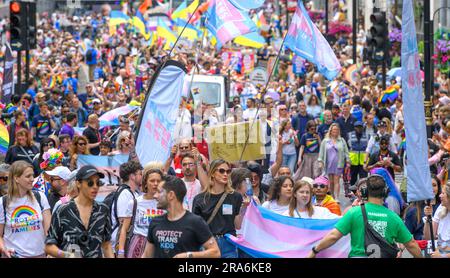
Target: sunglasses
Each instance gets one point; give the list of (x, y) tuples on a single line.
[(283, 109), (51, 145), (4, 178), (322, 186), (98, 183), (223, 171), (81, 144), (184, 148)]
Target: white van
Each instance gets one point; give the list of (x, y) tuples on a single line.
[(209, 89)]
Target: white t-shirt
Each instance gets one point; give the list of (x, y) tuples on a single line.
[(444, 224), (273, 206), (319, 213), (122, 205), (192, 189), (24, 228), (250, 113), (146, 210)]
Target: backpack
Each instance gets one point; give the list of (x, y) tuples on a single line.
[(90, 55), (36, 195), (375, 245), (112, 198)]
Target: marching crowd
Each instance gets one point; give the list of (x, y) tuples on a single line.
[(320, 136)]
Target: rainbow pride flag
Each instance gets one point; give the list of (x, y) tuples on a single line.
[(51, 82), (4, 138), (391, 94), (266, 234)]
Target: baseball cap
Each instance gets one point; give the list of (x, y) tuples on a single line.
[(62, 172), (358, 123), (96, 100), (87, 171), (321, 180)]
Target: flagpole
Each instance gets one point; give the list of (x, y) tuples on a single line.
[(192, 78), (264, 91), (175, 44)]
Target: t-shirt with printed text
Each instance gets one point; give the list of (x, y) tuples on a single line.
[(386, 222)]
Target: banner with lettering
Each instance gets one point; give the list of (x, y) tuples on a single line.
[(158, 117)]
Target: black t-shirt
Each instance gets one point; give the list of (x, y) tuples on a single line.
[(384, 113), (93, 137), (374, 158), (188, 234), (223, 223), (53, 198)]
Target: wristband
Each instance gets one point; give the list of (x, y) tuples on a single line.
[(60, 254), (121, 252)]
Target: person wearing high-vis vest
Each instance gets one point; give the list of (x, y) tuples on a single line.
[(357, 143)]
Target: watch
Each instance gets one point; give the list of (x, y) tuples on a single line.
[(315, 250), (189, 255)]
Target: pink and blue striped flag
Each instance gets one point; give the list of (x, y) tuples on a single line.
[(109, 165), (111, 118), (266, 234), (306, 41), (226, 22)]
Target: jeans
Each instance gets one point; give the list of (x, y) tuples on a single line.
[(227, 250), (290, 161)]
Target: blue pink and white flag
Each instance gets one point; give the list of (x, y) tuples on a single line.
[(418, 177), (226, 22), (266, 234), (109, 165), (247, 4), (305, 40), (111, 118), (158, 117)]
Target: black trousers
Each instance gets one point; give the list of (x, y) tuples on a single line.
[(355, 171)]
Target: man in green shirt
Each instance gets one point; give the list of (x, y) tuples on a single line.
[(387, 223)]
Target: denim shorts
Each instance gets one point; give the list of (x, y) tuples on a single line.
[(227, 250)]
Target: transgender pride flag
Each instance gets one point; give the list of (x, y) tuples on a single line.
[(266, 234), (111, 118), (226, 22)]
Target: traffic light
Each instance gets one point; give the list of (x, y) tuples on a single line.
[(18, 25), (379, 31)]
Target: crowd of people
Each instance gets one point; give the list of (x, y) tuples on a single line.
[(320, 136)]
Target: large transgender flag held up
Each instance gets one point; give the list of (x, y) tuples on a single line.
[(266, 234)]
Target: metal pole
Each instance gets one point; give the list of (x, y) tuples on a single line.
[(326, 17), (427, 68), (355, 27), (27, 66), (19, 72), (384, 71)]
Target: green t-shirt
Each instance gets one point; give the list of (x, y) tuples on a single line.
[(387, 223)]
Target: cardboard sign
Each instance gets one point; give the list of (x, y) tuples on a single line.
[(227, 142), (259, 76)]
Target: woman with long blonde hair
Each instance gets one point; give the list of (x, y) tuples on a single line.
[(221, 198), (333, 157), (301, 205), (24, 215)]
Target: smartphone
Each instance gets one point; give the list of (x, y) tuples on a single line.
[(249, 191)]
